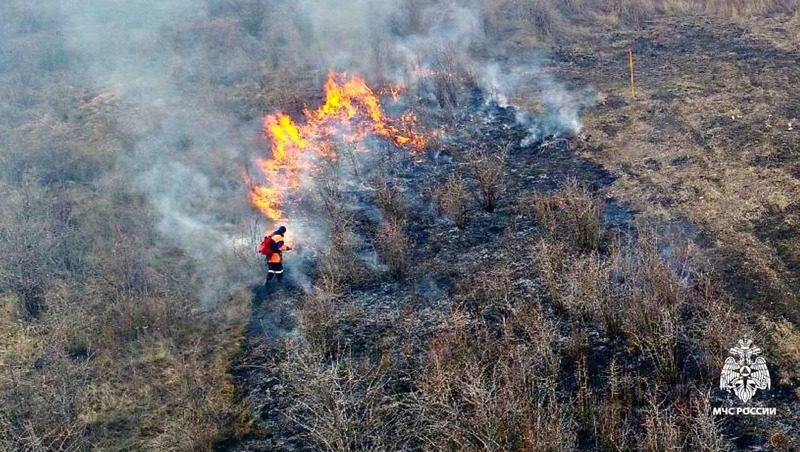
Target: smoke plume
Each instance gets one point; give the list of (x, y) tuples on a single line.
[(190, 77)]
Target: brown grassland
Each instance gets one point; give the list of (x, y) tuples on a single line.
[(579, 336)]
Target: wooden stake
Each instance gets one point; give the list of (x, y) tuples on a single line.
[(630, 63)]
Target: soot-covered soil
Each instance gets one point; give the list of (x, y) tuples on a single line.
[(702, 156)]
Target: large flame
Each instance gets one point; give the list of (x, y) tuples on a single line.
[(351, 112)]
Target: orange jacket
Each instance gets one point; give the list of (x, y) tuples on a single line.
[(276, 256)]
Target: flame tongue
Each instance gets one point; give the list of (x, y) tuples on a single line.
[(351, 112)]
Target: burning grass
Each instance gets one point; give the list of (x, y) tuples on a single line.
[(351, 112), (553, 336)]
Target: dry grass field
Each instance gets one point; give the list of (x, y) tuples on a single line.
[(576, 291)]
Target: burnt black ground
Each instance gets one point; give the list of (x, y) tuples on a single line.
[(442, 255)]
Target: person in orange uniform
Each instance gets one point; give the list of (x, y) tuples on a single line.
[(273, 247)]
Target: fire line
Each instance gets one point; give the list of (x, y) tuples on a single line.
[(351, 112)]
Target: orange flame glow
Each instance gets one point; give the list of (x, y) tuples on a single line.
[(351, 112)]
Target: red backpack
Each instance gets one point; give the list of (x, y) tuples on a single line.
[(266, 246)]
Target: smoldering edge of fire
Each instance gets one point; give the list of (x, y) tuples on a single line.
[(131, 50)]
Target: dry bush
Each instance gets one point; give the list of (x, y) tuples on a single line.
[(488, 170), (573, 212), (661, 429), (578, 285), (551, 263), (338, 266), (317, 316), (390, 202), (534, 328), (704, 430), (712, 327), (586, 290), (777, 439), (451, 200), (160, 381), (582, 215), (652, 298), (393, 244), (448, 77), (632, 291), (543, 16), (653, 332), (341, 405), (493, 388), (328, 198), (785, 346), (488, 287), (609, 306), (27, 243), (614, 409), (634, 13), (478, 391), (545, 209), (41, 384)]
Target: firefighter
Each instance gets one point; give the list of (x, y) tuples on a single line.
[(273, 247)]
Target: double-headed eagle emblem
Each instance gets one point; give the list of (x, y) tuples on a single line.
[(747, 374)]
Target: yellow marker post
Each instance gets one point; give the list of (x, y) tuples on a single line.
[(630, 63)]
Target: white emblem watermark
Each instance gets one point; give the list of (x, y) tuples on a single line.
[(744, 374)]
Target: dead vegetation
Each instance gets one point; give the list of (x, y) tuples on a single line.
[(393, 243), (487, 168), (104, 346), (573, 213), (452, 200), (615, 353), (338, 264)]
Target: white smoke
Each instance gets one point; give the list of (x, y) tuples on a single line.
[(190, 142)]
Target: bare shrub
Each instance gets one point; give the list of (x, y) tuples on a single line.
[(329, 197), (452, 201), (340, 405), (661, 431), (715, 320), (785, 345), (488, 169), (390, 202), (653, 330), (317, 316), (449, 76), (489, 286), (582, 215), (546, 211), (610, 302), (587, 290), (27, 244), (482, 392), (543, 17), (613, 410), (338, 266), (778, 439), (551, 259), (573, 213), (392, 242), (704, 430), (651, 297), (539, 333)]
